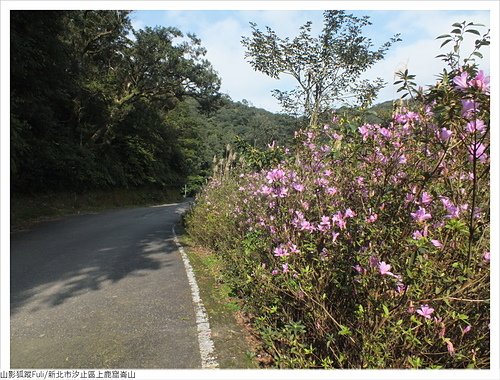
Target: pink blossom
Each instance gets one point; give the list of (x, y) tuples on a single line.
[(476, 125), (477, 151), (331, 190), (442, 332), (306, 226), (425, 311), (325, 221), (281, 251), (449, 346), (417, 235), (436, 243), (486, 256), (285, 268), (335, 235), (323, 182), (469, 107), (426, 198), (462, 81), (420, 215), (445, 134), (266, 190), (385, 132), (365, 132), (349, 213), (371, 218), (358, 268), (453, 211), (466, 330), (384, 268), (481, 82), (299, 187), (400, 287), (282, 192), (275, 272), (275, 175)]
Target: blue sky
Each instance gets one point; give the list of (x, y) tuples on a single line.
[(221, 32)]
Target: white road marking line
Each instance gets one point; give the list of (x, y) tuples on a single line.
[(207, 350)]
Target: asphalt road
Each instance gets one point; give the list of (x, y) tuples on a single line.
[(107, 290)]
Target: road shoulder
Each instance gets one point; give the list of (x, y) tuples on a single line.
[(235, 346)]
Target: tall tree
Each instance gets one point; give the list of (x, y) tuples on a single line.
[(326, 68)]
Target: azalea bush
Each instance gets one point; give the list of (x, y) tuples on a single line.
[(367, 246)]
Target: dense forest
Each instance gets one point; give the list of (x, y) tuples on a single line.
[(96, 104)]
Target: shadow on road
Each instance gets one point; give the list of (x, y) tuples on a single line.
[(62, 260)]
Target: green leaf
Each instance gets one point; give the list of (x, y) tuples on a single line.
[(386, 310), (444, 43), (473, 32), (443, 36), (344, 330)]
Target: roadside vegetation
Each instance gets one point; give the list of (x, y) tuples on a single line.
[(235, 343), (364, 244)]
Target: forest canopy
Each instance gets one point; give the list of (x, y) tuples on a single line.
[(96, 104)]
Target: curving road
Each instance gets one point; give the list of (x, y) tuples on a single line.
[(106, 290)]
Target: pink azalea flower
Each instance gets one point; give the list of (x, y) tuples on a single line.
[(349, 213), (335, 235), (486, 256), (476, 125), (306, 226), (400, 287), (274, 272), (281, 251), (449, 346), (436, 243), (425, 311), (417, 235), (453, 211), (371, 218), (364, 132), (282, 192), (477, 151), (426, 198), (266, 190), (420, 215), (331, 190), (445, 134), (384, 268), (325, 221), (469, 107), (385, 132), (466, 330), (275, 175), (462, 81), (481, 82), (299, 187), (285, 268)]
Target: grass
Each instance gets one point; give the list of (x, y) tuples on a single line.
[(26, 210), (235, 345)]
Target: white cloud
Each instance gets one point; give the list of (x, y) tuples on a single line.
[(419, 56), (221, 34)]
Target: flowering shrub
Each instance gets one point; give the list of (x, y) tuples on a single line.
[(367, 248)]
